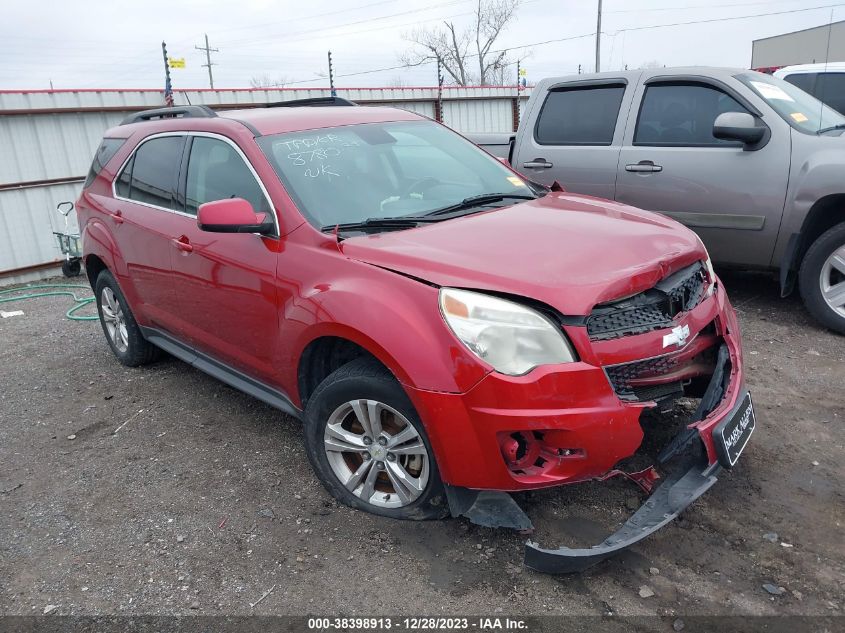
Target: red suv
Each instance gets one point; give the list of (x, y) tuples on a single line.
[(446, 330)]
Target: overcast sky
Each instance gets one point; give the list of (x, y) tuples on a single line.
[(117, 44)]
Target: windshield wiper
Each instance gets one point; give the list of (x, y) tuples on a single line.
[(375, 223), (838, 126), (479, 201)]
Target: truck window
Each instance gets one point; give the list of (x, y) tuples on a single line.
[(805, 81), (579, 116), (830, 89), (216, 172), (682, 115)]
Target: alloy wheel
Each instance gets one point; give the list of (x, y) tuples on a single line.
[(832, 281), (376, 453), (114, 320)]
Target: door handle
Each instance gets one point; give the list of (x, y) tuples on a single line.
[(538, 163), (644, 166), (117, 216), (182, 244)]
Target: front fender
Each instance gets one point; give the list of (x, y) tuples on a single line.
[(818, 165), (398, 320)]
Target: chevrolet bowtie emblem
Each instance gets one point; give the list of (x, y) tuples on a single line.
[(677, 337)]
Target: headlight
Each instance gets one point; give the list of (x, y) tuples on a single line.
[(510, 337), (708, 264)]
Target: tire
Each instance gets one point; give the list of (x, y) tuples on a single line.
[(71, 267), (122, 332), (822, 279), (330, 410)]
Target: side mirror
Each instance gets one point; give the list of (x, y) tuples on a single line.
[(738, 126), (232, 215)]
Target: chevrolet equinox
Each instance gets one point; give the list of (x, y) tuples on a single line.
[(446, 330)]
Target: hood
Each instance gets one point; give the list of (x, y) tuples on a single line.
[(566, 250)]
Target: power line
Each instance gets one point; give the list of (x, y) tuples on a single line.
[(701, 6), (582, 36), (727, 19)]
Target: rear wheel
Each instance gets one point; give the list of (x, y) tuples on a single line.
[(122, 332), (368, 446), (822, 279)]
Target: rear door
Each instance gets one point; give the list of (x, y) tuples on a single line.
[(141, 214), (576, 136), (225, 282), (670, 162)]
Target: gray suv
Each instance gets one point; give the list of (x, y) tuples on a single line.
[(753, 164)]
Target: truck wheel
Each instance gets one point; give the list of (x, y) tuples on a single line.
[(122, 332), (368, 447), (822, 279)]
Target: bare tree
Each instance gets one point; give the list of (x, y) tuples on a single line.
[(397, 81), (265, 81), (466, 54)]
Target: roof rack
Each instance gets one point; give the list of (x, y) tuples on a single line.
[(313, 102), (185, 112)]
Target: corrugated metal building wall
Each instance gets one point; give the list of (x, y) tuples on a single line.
[(47, 139)]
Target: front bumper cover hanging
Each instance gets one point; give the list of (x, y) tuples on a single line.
[(677, 491)]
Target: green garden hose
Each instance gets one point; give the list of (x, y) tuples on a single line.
[(70, 314)]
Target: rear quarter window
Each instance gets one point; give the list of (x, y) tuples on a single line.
[(579, 116), (105, 152)]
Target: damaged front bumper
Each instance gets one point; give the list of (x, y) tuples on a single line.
[(677, 491), (713, 429)]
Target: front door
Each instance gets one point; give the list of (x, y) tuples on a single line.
[(225, 282), (671, 163), (577, 136)]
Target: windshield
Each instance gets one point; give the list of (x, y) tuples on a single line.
[(801, 110), (360, 172)]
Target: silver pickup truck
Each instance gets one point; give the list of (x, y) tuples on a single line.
[(752, 163)]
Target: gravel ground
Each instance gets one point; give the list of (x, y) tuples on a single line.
[(161, 491)]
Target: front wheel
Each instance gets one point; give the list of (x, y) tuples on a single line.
[(368, 446), (822, 279), (119, 325)]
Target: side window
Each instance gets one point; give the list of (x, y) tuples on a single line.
[(108, 148), (830, 89), (682, 115), (123, 185), (155, 169), (579, 116), (216, 172), (805, 81)]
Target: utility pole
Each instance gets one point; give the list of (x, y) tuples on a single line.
[(598, 40), (208, 64), (331, 76)]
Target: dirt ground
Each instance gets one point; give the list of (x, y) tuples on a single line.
[(161, 491)]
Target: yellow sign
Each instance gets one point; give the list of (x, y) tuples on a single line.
[(176, 62), (523, 72)]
